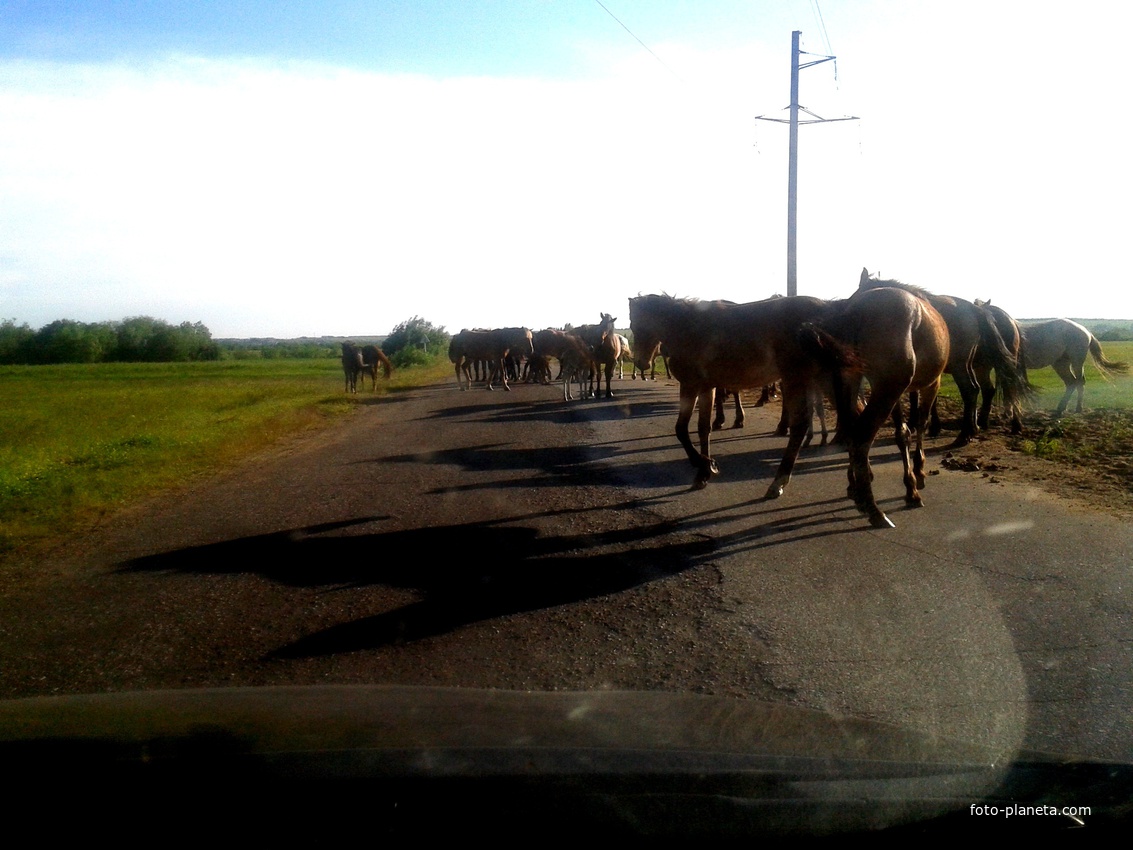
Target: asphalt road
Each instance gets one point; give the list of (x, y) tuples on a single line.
[(511, 540)]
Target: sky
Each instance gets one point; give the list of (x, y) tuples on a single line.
[(287, 169)]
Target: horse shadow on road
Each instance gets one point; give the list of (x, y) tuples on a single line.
[(526, 571)]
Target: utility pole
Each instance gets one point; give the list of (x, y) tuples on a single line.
[(793, 154)]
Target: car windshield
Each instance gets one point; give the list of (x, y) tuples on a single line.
[(361, 379)]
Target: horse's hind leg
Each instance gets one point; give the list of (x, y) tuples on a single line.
[(739, 420), (1069, 379), (706, 467), (795, 405), (721, 398), (970, 395), (901, 434)]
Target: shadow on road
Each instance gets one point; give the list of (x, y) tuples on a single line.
[(465, 573)]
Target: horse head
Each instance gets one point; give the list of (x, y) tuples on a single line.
[(645, 329)]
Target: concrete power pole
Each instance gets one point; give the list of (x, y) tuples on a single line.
[(793, 155)]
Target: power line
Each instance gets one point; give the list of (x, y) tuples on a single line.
[(638, 40)]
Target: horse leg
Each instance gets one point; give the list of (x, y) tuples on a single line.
[(1062, 367), (861, 437), (609, 377), (969, 394), (705, 466), (721, 398), (739, 421), (782, 429), (794, 405), (708, 466), (987, 393), (901, 435)]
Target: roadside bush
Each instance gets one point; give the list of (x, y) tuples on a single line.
[(419, 334)]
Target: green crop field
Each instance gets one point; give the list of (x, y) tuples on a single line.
[(78, 441)]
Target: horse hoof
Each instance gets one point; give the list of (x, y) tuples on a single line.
[(738, 425), (880, 520), (716, 426), (774, 492), (699, 483)]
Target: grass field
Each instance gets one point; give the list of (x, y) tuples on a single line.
[(1115, 393), (78, 441)]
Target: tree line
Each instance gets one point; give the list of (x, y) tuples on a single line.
[(137, 339), (145, 339)]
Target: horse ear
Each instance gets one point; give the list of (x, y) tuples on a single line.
[(864, 277)]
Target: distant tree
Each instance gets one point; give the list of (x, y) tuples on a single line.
[(145, 339), (15, 342), (417, 334), (67, 341)]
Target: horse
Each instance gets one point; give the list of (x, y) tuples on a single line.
[(576, 359), (607, 349), (1063, 345), (372, 356), (661, 352), (970, 328), (352, 365), (468, 346), (1012, 336), (715, 344), (625, 354), (903, 345)]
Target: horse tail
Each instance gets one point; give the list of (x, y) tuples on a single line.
[(1106, 367), (842, 368), (831, 353), (1012, 374)]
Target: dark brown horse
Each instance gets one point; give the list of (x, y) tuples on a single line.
[(493, 346), (1012, 336), (351, 365), (970, 330), (372, 357), (713, 344)]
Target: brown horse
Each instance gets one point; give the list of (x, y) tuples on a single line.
[(372, 356), (904, 346), (493, 346), (970, 330), (576, 359), (1065, 345), (351, 365), (661, 352), (714, 344), (607, 349)]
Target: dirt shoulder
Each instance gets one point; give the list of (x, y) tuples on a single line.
[(1085, 458)]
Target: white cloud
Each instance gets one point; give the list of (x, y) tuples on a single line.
[(269, 199)]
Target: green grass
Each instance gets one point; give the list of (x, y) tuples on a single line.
[(77, 442), (1114, 393)]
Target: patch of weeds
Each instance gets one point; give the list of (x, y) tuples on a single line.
[(115, 453)]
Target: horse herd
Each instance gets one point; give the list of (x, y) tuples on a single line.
[(897, 338)]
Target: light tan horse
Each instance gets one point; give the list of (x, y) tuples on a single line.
[(607, 349), (493, 346), (1064, 345)]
